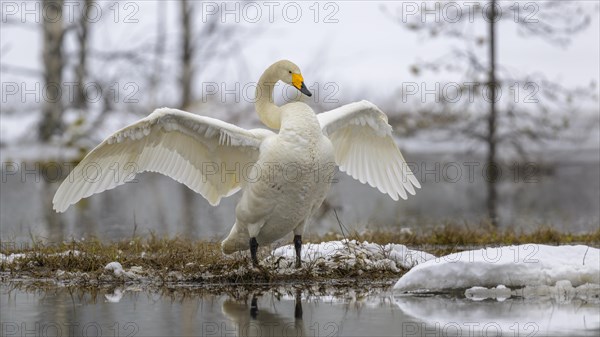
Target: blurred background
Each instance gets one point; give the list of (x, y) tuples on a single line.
[(494, 105)]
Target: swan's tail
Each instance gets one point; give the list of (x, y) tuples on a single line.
[(236, 241)]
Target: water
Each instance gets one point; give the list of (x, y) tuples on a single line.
[(564, 194), (192, 311)]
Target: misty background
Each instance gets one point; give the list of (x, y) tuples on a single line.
[(494, 105)]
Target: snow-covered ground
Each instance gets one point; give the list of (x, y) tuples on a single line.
[(8, 259), (349, 253), (117, 269), (512, 266), (528, 270), (521, 290), (318, 259)]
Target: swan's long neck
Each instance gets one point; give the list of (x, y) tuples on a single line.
[(268, 112)]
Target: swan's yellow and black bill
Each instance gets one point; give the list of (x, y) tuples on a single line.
[(298, 83)]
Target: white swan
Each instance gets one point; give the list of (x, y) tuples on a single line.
[(284, 176)]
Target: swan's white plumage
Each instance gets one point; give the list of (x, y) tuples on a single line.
[(189, 148), (365, 149), (206, 155)]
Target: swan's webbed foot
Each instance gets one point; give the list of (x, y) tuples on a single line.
[(298, 247), (253, 249)]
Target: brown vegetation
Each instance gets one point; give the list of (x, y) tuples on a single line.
[(155, 261)]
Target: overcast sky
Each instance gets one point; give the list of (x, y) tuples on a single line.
[(362, 49)]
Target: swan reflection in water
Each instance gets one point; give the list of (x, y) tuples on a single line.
[(255, 320)]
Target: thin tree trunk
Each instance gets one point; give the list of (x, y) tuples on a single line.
[(492, 177), (52, 110), (187, 52), (159, 51), (80, 100), (186, 78)]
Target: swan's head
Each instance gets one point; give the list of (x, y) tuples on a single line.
[(289, 73)]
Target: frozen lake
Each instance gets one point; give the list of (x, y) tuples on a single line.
[(191, 311)]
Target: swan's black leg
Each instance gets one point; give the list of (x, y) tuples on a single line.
[(298, 246), (253, 308), (253, 249), (298, 307)]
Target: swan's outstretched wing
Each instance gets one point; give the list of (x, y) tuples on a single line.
[(364, 148), (205, 154)]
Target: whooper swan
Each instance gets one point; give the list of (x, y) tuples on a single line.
[(284, 176)]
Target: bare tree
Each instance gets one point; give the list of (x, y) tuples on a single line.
[(492, 117), (506, 121), (200, 44), (81, 71), (208, 41), (187, 54), (186, 78), (53, 32), (159, 52)]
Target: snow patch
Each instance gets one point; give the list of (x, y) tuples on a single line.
[(512, 266), (68, 253), (346, 253), (118, 271), (8, 259), (562, 292), (500, 293)]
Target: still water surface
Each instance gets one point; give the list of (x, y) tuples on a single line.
[(564, 193), (131, 311)]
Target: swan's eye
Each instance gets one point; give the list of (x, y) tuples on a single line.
[(290, 71)]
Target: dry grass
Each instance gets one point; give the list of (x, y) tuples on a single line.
[(162, 255), (450, 238), (180, 260), (162, 261)]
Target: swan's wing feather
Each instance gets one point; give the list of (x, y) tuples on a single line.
[(365, 149), (205, 154)]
